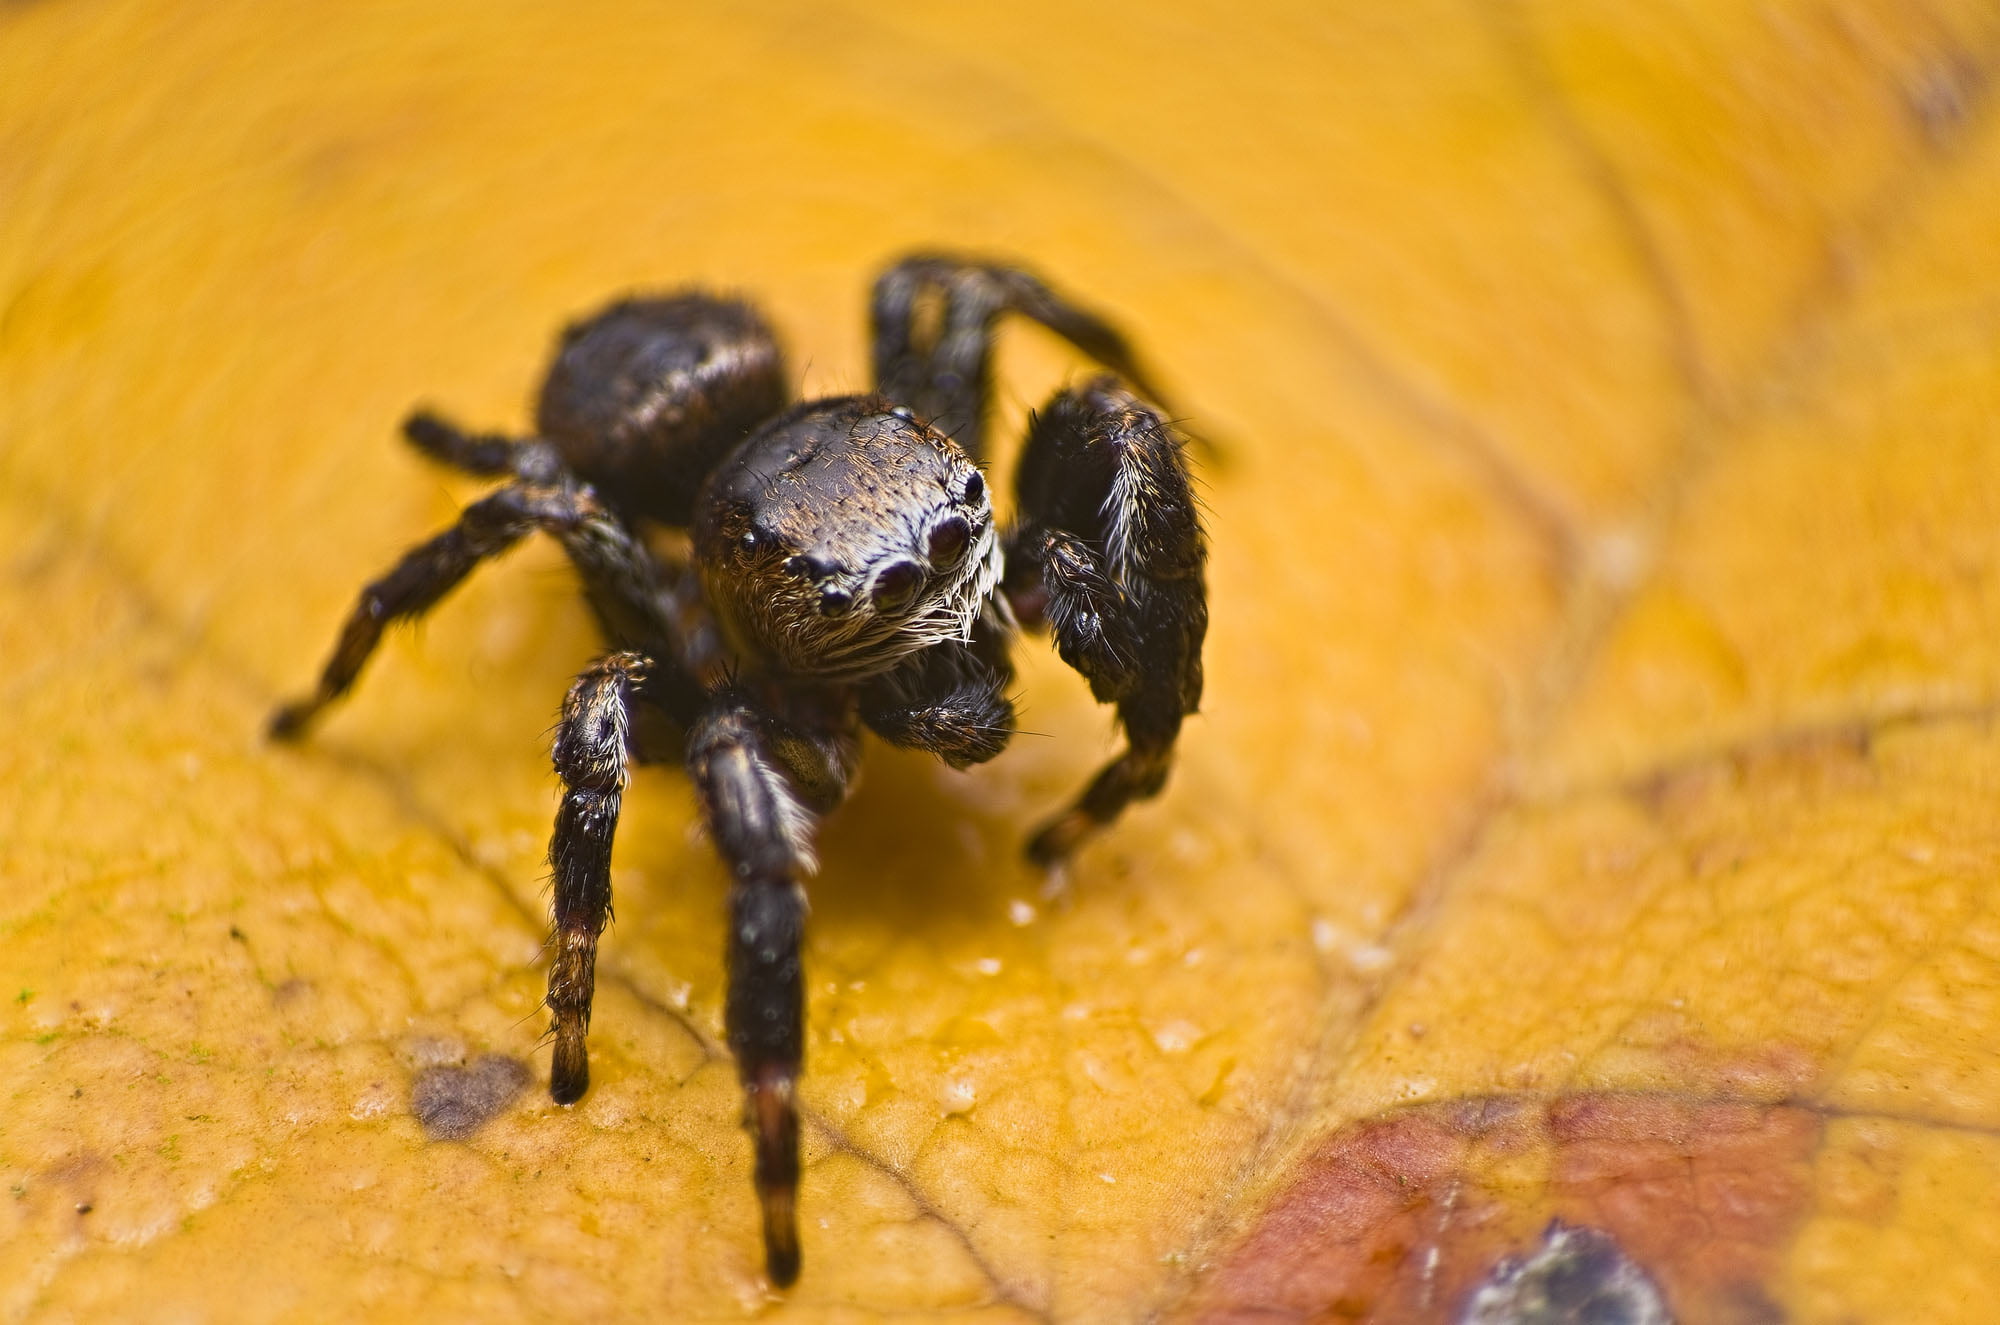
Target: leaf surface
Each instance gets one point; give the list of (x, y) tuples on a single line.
[(1591, 815)]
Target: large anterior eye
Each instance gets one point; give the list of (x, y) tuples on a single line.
[(896, 585), (948, 542)]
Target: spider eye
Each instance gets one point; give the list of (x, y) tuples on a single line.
[(804, 567), (949, 541), (747, 543), (834, 602), (896, 586), (975, 488)]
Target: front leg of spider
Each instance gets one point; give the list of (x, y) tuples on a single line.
[(762, 829), (1109, 552), (593, 746)]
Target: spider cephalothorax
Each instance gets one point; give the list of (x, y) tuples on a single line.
[(848, 571), (845, 536)]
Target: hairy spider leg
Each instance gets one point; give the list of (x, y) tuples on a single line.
[(938, 359), (487, 455), (763, 831), (760, 781), (625, 586), (592, 748), (1109, 553)]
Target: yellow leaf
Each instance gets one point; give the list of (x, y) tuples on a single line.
[(1591, 819)]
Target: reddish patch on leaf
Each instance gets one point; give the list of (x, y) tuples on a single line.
[(1400, 1218)]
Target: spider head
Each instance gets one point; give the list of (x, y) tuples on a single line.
[(843, 536)]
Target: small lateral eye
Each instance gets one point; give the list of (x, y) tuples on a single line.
[(975, 488), (834, 602), (804, 567), (948, 542), (747, 543), (896, 586)]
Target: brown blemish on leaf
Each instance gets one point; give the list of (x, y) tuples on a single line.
[(454, 1102), (291, 991), (1945, 93), (1398, 1218), (1704, 1194), (74, 1181)]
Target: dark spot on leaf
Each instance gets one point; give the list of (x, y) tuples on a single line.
[(453, 1102), (1578, 1276), (1944, 94)]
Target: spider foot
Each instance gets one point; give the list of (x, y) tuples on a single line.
[(569, 1073), (1056, 889), (290, 722), (773, 1120)]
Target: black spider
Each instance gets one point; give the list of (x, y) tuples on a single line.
[(847, 571)]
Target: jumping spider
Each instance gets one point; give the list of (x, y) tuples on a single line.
[(847, 570)]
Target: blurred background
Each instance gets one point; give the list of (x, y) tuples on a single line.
[(1588, 818)]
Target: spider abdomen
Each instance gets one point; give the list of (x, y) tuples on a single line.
[(645, 396)]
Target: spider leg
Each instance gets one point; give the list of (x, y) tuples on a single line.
[(622, 582), (592, 748), (488, 455), (1109, 553), (937, 358), (761, 827), (948, 699)]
